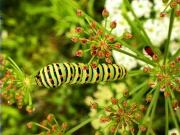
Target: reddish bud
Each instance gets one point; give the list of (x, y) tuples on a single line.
[(83, 41), (173, 4), (94, 65), (178, 59), (142, 108), (50, 117), (118, 45), (108, 60), (108, 54), (29, 109), (166, 94), (94, 105), (162, 14), (74, 39), (113, 24), (29, 124), (114, 101), (175, 104), (79, 12), (177, 13), (93, 47), (125, 104), (79, 53), (64, 126), (84, 67), (54, 128), (113, 129), (105, 13), (146, 69), (93, 24), (104, 119), (178, 1), (94, 52), (111, 38), (99, 32), (100, 54), (127, 35), (78, 29), (172, 64), (155, 57)]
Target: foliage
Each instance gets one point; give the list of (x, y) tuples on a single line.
[(37, 33)]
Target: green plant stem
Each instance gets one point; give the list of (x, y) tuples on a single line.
[(154, 100), (173, 115), (79, 126), (166, 116), (138, 88), (39, 125), (169, 35), (135, 72), (140, 93)]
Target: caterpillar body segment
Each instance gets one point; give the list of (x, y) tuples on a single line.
[(56, 74)]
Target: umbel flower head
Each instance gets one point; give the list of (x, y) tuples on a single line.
[(123, 116), (15, 86), (97, 40), (49, 126)]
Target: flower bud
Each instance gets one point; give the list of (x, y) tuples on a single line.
[(162, 14), (79, 53), (104, 119), (105, 13), (29, 124), (113, 24), (50, 117), (177, 13), (173, 4), (175, 104), (74, 39), (79, 12), (114, 101)]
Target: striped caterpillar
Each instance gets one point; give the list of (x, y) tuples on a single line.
[(56, 74)]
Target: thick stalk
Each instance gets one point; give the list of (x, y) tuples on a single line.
[(169, 35), (166, 116)]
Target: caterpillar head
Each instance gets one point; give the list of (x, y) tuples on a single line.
[(38, 79)]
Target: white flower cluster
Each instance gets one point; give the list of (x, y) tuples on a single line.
[(156, 27)]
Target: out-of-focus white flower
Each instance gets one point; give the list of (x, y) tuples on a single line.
[(173, 131), (123, 59), (158, 7), (176, 29), (173, 47), (157, 30), (122, 25), (103, 95), (113, 6), (142, 7)]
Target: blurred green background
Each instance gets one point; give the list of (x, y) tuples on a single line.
[(36, 33)]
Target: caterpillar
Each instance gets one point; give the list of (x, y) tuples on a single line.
[(56, 74)]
